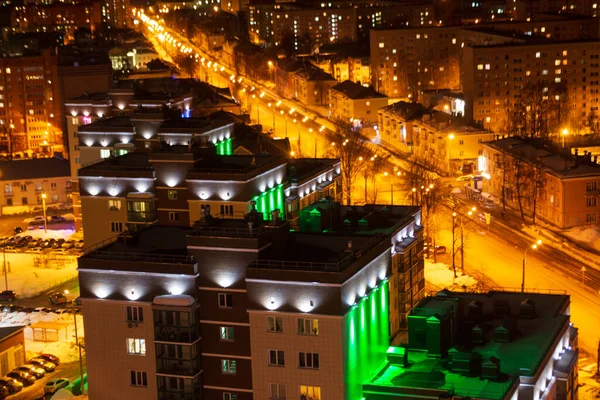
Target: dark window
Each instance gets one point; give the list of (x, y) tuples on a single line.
[(172, 194), (225, 300)]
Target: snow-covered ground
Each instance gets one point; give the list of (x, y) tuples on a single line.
[(588, 236), (441, 276), (65, 349), (51, 234), (27, 280)]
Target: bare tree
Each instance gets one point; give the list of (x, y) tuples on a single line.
[(520, 181), (538, 180), (347, 145)]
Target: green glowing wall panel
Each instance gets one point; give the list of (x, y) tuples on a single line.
[(269, 200), (367, 339), (225, 147)]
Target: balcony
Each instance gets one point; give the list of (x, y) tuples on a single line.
[(175, 334), (177, 367), (9, 193), (141, 216), (69, 189), (39, 189), (178, 394)]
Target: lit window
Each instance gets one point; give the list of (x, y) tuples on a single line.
[(114, 205), (228, 367), (545, 72), (381, 45), (172, 194), (538, 54), (136, 347), (480, 66), (7, 70), (227, 333), (454, 41), (104, 153), (310, 392), (275, 324), (307, 326)]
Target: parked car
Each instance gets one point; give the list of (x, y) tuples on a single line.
[(11, 308), (42, 310), (11, 384), (79, 244), (33, 370), (61, 311), (77, 301), (69, 244), (58, 244), (7, 295), (43, 364), (54, 384), (4, 392), (58, 298), (17, 230), (35, 250), (60, 251), (49, 357), (24, 377)]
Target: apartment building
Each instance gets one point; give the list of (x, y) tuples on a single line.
[(567, 194), (351, 102), (116, 13), (24, 181), (290, 314), (12, 348), (408, 60), (446, 141), (30, 104), (493, 77), (493, 346), (296, 79), (57, 16)]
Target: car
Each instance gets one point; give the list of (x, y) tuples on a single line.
[(27, 309), (24, 377), (60, 251), (54, 384), (36, 250), (7, 295), (79, 244), (11, 384), (58, 298), (49, 357), (17, 230), (42, 310), (58, 244), (10, 249), (4, 392), (43, 364), (465, 178), (77, 301), (61, 311), (438, 249), (69, 244), (11, 308), (33, 370)]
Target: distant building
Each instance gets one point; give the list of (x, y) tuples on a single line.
[(12, 348), (567, 186), (24, 181), (492, 346), (116, 13), (241, 308), (355, 103), (66, 17)]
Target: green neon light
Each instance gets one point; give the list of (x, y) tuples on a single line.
[(270, 200), (366, 342), (225, 147)]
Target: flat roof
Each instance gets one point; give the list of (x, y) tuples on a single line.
[(522, 356), (34, 168), (8, 331)]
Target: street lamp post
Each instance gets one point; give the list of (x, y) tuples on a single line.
[(453, 243), (564, 132), (533, 247), (44, 208), (450, 139), (412, 199)]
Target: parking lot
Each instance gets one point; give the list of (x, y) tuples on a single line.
[(26, 243)]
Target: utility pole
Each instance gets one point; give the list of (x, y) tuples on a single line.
[(453, 243)]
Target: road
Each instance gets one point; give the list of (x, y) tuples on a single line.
[(42, 300), (69, 370)]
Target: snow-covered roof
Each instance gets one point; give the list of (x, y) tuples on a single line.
[(178, 300)]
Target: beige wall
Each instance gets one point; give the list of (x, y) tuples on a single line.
[(98, 218), (330, 375), (239, 208), (108, 363), (57, 194)]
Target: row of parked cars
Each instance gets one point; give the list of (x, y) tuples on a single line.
[(27, 374), (30, 244)]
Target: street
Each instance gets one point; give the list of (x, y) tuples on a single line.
[(69, 370)]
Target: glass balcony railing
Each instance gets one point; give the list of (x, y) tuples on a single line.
[(178, 367), (141, 216), (175, 334)]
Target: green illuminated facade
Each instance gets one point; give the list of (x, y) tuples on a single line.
[(270, 200), (367, 339), (225, 147)]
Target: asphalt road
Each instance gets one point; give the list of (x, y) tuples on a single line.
[(42, 300), (36, 391)]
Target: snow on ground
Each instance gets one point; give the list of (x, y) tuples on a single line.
[(441, 276), (65, 348), (51, 234), (27, 280), (585, 235)]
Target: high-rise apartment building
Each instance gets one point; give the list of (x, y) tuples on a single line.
[(30, 102), (248, 309), (116, 13)]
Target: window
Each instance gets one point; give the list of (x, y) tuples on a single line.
[(114, 205), (116, 227), (225, 300), (591, 202), (308, 326), (136, 347), (590, 186), (308, 360), (104, 153), (226, 209), (23, 188), (53, 185), (277, 391), (54, 198), (135, 314), (173, 216), (227, 333), (276, 358), (590, 218), (172, 194), (310, 393), (461, 142), (275, 324), (9, 202), (229, 396), (24, 201), (228, 367), (139, 379)]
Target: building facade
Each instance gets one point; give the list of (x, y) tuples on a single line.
[(351, 102), (12, 348), (266, 323)]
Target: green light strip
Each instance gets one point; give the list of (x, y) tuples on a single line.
[(225, 147), (270, 200), (366, 341)]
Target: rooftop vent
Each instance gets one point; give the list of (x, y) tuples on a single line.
[(475, 310), (466, 362), (527, 309), (478, 334), (491, 369), (507, 330), (501, 308)]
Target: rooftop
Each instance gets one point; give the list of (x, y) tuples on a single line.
[(6, 332), (35, 168), (101, 124), (521, 356), (555, 161), (355, 91)]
